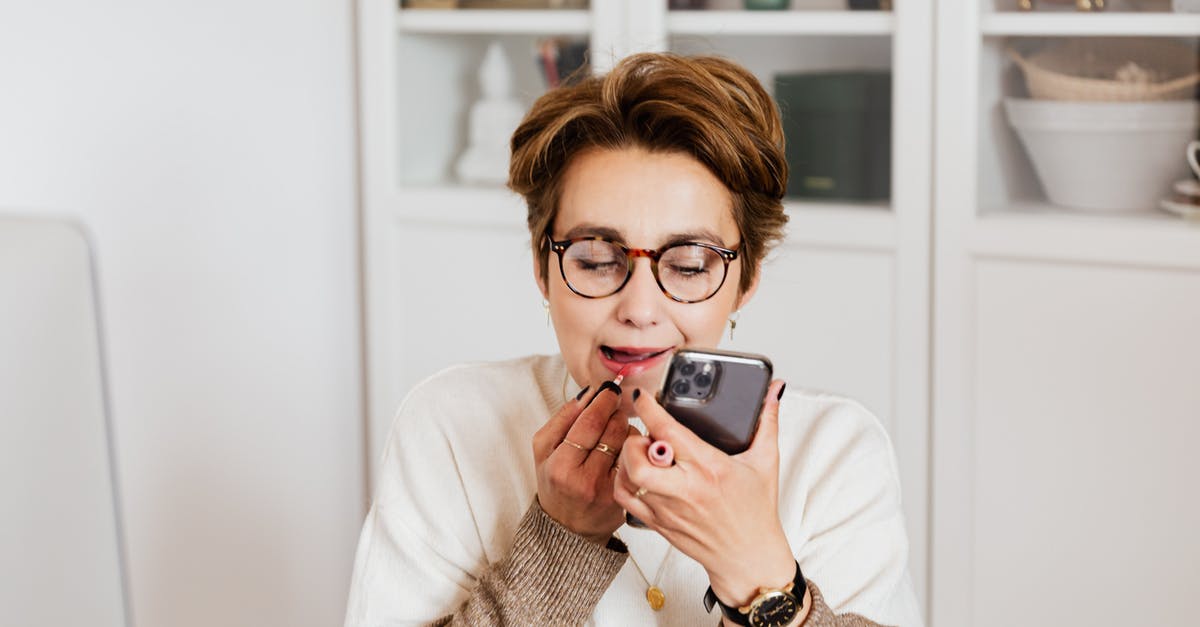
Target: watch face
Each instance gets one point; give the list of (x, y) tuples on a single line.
[(777, 610)]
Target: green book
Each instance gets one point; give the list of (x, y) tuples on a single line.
[(838, 128)]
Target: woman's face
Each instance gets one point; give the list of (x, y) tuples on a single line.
[(641, 200)]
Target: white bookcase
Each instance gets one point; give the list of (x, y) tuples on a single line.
[(1065, 393), (845, 302)]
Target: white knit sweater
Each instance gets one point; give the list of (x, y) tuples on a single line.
[(458, 475)]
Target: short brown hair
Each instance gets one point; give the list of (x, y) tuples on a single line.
[(709, 108)]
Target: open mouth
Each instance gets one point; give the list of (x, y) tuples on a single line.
[(628, 356), (630, 359)]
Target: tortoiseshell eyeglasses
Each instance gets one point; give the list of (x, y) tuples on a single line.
[(688, 272)]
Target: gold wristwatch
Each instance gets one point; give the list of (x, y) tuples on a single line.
[(771, 607)]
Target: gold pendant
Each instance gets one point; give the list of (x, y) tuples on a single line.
[(655, 598)]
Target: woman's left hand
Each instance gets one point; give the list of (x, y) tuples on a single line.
[(718, 509)]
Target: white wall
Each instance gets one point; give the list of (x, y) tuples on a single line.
[(209, 146)]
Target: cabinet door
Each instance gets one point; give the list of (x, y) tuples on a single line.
[(1087, 411), (1066, 344)]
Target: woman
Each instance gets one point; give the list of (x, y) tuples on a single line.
[(653, 194)]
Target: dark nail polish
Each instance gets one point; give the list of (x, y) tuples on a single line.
[(636, 393), (582, 392), (609, 385), (781, 389)]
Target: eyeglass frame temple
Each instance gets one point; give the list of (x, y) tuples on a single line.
[(559, 247)]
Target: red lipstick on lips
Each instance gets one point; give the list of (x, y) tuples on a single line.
[(620, 376), (630, 360)]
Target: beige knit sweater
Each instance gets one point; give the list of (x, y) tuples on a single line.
[(556, 577)]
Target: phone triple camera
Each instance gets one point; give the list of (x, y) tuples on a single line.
[(693, 380)]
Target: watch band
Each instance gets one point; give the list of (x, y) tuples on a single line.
[(799, 588)]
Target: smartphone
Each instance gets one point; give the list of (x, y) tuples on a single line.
[(716, 394)]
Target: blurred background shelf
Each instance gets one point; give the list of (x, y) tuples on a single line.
[(1041, 231), (716, 23), (479, 21), (860, 226), (1090, 24)]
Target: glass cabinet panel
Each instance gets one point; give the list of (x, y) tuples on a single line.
[(834, 95), (436, 71), (1098, 124)]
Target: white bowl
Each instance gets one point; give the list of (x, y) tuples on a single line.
[(1106, 156), (1188, 187)]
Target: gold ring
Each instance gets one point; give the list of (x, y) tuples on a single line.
[(606, 449), (570, 443), (640, 493)]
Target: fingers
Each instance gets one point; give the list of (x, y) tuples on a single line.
[(663, 426), (630, 432), (636, 470), (624, 495), (604, 455), (766, 438), (552, 433), (640, 486), (633, 451), (585, 433)]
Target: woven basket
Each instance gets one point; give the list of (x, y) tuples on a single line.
[(1087, 69)]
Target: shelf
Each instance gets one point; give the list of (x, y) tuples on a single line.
[(494, 22), (863, 226), (844, 225), (1037, 231), (780, 23), (1107, 24)]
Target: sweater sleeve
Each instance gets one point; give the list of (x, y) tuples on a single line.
[(821, 616), (552, 577)]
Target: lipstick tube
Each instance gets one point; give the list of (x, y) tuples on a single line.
[(661, 454)]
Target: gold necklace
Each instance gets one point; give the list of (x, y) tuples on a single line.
[(654, 594)]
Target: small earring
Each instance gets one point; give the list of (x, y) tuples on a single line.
[(546, 306), (733, 318)]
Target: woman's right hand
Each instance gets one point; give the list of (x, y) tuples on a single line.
[(576, 454)]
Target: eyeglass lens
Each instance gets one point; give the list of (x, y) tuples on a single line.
[(687, 272)]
